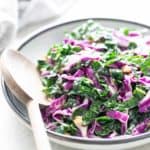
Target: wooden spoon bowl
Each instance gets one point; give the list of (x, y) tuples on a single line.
[(23, 80)]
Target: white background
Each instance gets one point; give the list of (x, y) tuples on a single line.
[(13, 134)]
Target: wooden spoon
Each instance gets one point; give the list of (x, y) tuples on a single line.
[(23, 80)]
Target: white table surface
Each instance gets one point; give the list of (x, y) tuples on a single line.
[(13, 134)]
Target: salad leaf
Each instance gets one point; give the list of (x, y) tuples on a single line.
[(132, 45), (92, 113), (145, 66), (98, 82)]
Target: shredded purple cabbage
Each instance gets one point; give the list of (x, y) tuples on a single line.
[(118, 65), (144, 104), (134, 34), (91, 75), (145, 80), (84, 104), (94, 127), (55, 105), (83, 44), (111, 85), (141, 127), (82, 56), (126, 91), (121, 39), (122, 117), (69, 84), (45, 73), (58, 114)]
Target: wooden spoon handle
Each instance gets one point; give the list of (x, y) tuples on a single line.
[(37, 124)]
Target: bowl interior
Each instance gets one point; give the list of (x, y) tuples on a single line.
[(37, 45)]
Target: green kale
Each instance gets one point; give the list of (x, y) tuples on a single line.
[(71, 102), (90, 30), (84, 87), (138, 94), (114, 104), (132, 45), (126, 31), (145, 66), (42, 64), (52, 91), (96, 65), (59, 52), (103, 119), (49, 81), (110, 44), (78, 112), (71, 129), (117, 75), (92, 112), (108, 127), (52, 86), (133, 59)]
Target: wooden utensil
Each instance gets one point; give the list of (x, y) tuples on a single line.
[(23, 80)]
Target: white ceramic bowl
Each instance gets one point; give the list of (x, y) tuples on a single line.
[(35, 47)]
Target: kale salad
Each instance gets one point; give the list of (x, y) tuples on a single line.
[(98, 82)]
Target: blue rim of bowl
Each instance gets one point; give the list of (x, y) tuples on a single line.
[(80, 140)]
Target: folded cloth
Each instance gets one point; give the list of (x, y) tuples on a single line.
[(34, 11), (16, 14), (8, 22)]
